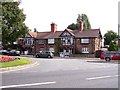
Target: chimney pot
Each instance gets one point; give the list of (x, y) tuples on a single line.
[(81, 25), (53, 27)]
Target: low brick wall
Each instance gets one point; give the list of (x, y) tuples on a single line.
[(83, 55)]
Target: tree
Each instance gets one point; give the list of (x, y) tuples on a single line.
[(73, 26), (86, 23), (13, 26), (113, 46), (109, 36)]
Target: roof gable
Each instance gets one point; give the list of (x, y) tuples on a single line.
[(66, 32), (32, 34)]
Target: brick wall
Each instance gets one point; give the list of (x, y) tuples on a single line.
[(93, 45), (97, 44)]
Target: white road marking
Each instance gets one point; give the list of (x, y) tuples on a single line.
[(33, 84), (94, 78)]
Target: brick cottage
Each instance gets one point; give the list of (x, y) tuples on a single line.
[(67, 41)]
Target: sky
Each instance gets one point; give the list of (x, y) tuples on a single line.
[(40, 14)]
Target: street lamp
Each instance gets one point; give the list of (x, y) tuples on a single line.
[(118, 37)]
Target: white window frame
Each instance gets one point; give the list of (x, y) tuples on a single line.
[(51, 41), (85, 50), (85, 40), (29, 41), (51, 49), (66, 39)]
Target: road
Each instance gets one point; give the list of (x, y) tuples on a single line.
[(63, 73)]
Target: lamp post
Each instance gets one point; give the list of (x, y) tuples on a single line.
[(118, 37)]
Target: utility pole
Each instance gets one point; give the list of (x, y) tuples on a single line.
[(118, 37)]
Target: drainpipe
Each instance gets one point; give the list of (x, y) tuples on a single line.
[(34, 46)]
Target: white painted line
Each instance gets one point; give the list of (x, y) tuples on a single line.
[(94, 78), (33, 84)]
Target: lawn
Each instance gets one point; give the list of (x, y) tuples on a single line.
[(22, 61)]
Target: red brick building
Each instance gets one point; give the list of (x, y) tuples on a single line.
[(67, 41)]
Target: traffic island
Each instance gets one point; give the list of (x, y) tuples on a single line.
[(18, 64)]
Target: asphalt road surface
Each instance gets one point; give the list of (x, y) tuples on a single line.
[(63, 73)]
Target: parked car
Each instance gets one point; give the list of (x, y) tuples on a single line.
[(14, 53), (4, 52), (45, 54), (110, 55)]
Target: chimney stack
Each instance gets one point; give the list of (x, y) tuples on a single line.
[(81, 25), (53, 27)]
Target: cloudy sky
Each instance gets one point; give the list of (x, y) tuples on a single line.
[(40, 14)]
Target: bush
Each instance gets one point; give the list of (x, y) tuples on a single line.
[(6, 58), (98, 53)]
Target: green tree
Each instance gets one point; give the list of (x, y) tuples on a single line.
[(86, 23), (73, 26), (109, 36), (13, 26), (57, 50), (113, 46)]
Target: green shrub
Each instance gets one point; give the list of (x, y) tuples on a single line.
[(98, 53)]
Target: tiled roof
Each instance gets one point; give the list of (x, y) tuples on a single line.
[(33, 34), (88, 33), (42, 35), (53, 34), (76, 33)]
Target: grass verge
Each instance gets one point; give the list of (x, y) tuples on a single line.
[(22, 61)]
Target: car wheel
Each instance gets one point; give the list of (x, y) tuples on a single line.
[(37, 56), (107, 59), (49, 56)]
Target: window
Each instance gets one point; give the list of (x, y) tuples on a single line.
[(41, 41), (51, 41), (85, 40), (67, 40), (29, 41), (85, 50), (42, 49), (51, 49)]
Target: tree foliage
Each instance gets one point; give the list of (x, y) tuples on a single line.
[(109, 36), (13, 26), (73, 26), (113, 46), (86, 23)]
